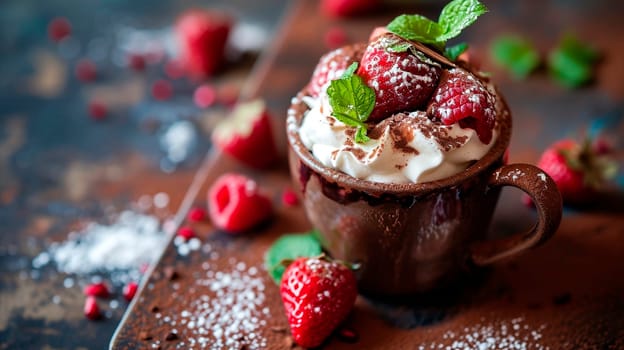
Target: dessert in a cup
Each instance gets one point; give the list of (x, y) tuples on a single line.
[(399, 153)]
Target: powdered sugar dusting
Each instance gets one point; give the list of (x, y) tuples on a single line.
[(514, 334), (229, 313)]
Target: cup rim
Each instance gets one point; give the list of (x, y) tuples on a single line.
[(295, 116)]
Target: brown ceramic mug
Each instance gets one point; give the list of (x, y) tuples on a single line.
[(417, 237)]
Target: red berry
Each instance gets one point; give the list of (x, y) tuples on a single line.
[(462, 98), (97, 110), (247, 136), (202, 36), (99, 290), (196, 214), (59, 29), (335, 37), (332, 65), (347, 8), (129, 290), (136, 62), (186, 232), (402, 81), (162, 90), (205, 96), (91, 309), (289, 198), (235, 203), (86, 70), (174, 69), (317, 295), (574, 169)]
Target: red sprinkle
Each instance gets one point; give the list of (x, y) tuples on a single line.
[(59, 29), (174, 69), (186, 232), (97, 110), (136, 62), (348, 335), (205, 96), (162, 90), (289, 198), (335, 37), (91, 309), (99, 290), (197, 214), (86, 70), (130, 290)]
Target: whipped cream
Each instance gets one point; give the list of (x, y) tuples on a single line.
[(407, 147)]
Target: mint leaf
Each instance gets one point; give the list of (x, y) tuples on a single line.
[(290, 247), (454, 51), (515, 54), (399, 47), (416, 28), (352, 101), (457, 15), (349, 71), (572, 63)]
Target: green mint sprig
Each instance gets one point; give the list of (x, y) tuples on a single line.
[(516, 54), (572, 62), (452, 52), (352, 101), (290, 247), (455, 16)]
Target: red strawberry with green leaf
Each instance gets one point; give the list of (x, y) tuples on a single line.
[(577, 169), (462, 98), (332, 65), (247, 136), (318, 294), (403, 77), (235, 203)]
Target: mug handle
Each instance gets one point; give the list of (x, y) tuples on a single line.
[(547, 199)]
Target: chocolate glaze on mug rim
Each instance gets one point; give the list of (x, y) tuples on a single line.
[(295, 116)]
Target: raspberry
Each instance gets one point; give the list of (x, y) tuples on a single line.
[(332, 65), (402, 81), (59, 29), (196, 214), (85, 70), (235, 203), (186, 232), (91, 308), (130, 290), (462, 98), (99, 290)]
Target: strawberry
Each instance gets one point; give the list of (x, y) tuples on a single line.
[(246, 135), (577, 169), (99, 290), (318, 295), (235, 203), (347, 8), (91, 308), (332, 65), (203, 36), (402, 81), (462, 98)]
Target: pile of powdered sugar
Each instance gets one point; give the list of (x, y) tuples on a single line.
[(118, 250)]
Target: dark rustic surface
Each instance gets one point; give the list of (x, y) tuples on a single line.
[(566, 294)]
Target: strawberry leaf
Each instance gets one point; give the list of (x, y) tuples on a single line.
[(352, 101), (290, 247), (457, 15)]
